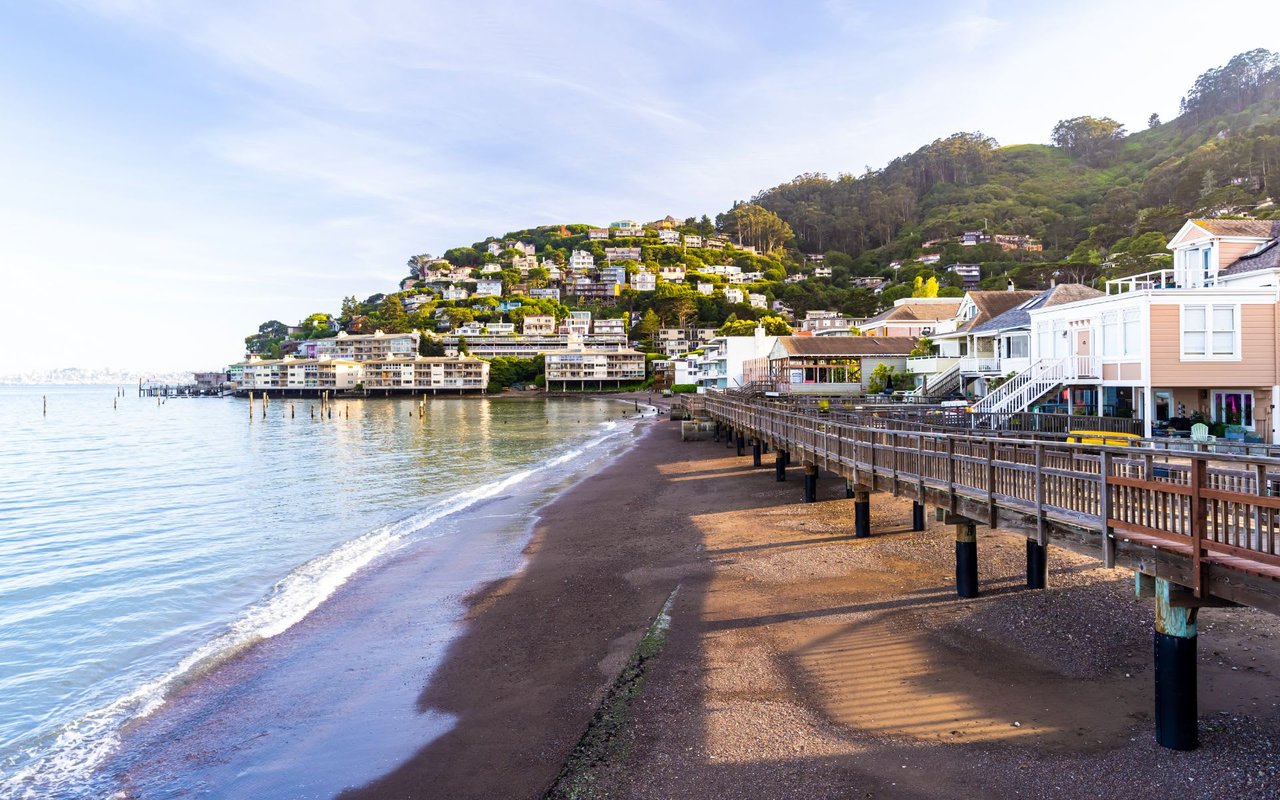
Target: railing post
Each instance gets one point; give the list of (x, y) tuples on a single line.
[(1199, 470), (1104, 510)]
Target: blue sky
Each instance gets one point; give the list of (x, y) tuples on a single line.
[(175, 172)]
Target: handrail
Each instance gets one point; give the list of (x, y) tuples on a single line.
[(1029, 476)]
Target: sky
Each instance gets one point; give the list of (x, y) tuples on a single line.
[(175, 172)]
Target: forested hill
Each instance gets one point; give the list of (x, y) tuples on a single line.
[(1086, 196)]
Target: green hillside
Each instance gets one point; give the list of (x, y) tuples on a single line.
[(1095, 189)]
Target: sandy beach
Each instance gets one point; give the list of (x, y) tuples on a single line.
[(804, 663)]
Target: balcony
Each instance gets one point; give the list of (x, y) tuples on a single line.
[(1161, 279), (930, 365)]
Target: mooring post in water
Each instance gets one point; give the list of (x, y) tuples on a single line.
[(966, 558), (755, 452), (45, 399), (1175, 661), (861, 514), (810, 482), (779, 465), (917, 516), (1037, 564)]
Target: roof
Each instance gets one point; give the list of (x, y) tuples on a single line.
[(1240, 227), (1267, 257), (1019, 316), (848, 346), (992, 304), (933, 311)]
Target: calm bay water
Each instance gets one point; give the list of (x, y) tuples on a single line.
[(142, 543)]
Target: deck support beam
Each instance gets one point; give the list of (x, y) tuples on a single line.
[(741, 441), (810, 483), (728, 437), (1037, 564), (755, 452), (861, 514), (1175, 668), (917, 515), (779, 465), (966, 559)]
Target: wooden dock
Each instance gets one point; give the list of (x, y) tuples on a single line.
[(1199, 528)]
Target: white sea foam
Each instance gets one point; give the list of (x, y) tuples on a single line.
[(68, 766)]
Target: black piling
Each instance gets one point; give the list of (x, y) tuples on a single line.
[(1037, 564), (779, 465), (755, 453), (741, 442), (861, 514), (917, 516), (966, 559), (810, 483), (1175, 671)]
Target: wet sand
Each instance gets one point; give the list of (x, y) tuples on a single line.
[(803, 663)]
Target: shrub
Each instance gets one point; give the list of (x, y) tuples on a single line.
[(684, 388)]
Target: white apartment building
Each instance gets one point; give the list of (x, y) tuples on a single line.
[(592, 368), (365, 347), (581, 261), (668, 236)]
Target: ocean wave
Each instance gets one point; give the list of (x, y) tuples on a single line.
[(66, 763)]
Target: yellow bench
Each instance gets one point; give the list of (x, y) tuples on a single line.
[(1104, 438)]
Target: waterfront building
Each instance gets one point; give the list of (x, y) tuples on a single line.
[(581, 261), (669, 236), (546, 292), (425, 373), (616, 328), (827, 365), (582, 368)]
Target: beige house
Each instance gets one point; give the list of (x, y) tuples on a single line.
[(913, 317)]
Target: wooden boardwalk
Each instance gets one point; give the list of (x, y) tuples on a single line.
[(1209, 522)]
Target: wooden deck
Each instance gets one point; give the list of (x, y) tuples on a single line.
[(1207, 521)]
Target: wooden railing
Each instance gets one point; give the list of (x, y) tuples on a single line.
[(1214, 509)]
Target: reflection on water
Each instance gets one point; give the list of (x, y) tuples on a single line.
[(139, 541)]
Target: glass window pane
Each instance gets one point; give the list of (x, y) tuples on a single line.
[(1193, 343), (1224, 318), (1224, 343), (1193, 318)]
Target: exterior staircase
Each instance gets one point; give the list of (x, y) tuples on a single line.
[(940, 385), (1020, 391)]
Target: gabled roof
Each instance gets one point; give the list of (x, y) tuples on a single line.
[(847, 346), (1267, 257), (992, 304), (933, 311), (1019, 316), (1264, 228)]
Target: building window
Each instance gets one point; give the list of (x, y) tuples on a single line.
[(1233, 408), (1131, 333), (1111, 334), (1018, 346), (1209, 332)]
